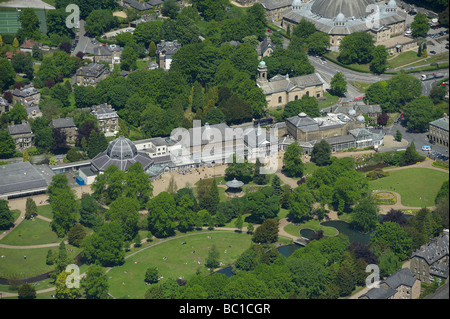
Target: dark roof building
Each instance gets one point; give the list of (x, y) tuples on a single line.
[(63, 123), (122, 153), (400, 285)]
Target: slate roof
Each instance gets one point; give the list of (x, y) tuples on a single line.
[(284, 83), (63, 122), (302, 121), (441, 123), (275, 4), (26, 91), (91, 69), (23, 128), (169, 47), (388, 287), (264, 45), (350, 8), (138, 5), (434, 250)]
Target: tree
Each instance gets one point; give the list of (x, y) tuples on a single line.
[(267, 232), (125, 211), (410, 156), (6, 217), (419, 113), (356, 48), (151, 275), (128, 58), (7, 145), (170, 9), (301, 203), (76, 235), (29, 22), (321, 153), (27, 291), (30, 208), (161, 215), (7, 74), (89, 212), (62, 289), (95, 283), (379, 59), (365, 215), (64, 205), (389, 263), (419, 26), (23, 63), (398, 136), (292, 163), (212, 261), (394, 237), (100, 21), (276, 184), (338, 85), (104, 247), (239, 223)]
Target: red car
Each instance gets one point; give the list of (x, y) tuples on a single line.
[(268, 30)]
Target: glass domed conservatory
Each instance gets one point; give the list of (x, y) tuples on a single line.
[(122, 153), (339, 18)]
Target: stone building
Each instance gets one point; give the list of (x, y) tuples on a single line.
[(4, 105), (91, 74), (21, 134), (107, 118), (28, 95), (275, 9), (282, 89), (265, 48), (343, 17), (430, 262), (355, 109), (67, 125), (438, 131), (164, 52), (110, 54), (400, 285)]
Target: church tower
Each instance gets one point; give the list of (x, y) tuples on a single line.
[(262, 73)]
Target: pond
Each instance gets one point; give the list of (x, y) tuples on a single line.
[(346, 229), (307, 233), (285, 250)]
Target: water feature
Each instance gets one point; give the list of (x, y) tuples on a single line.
[(307, 233), (346, 229), (227, 271), (287, 250)]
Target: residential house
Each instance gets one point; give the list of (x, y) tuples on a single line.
[(164, 52), (265, 48), (22, 135), (107, 118), (33, 112), (438, 131), (26, 96), (430, 262), (110, 54), (91, 74), (28, 44), (67, 125), (280, 89), (400, 285)]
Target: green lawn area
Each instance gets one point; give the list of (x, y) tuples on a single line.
[(31, 232), (416, 185), (14, 264), (127, 280), (403, 58), (330, 100), (45, 210)]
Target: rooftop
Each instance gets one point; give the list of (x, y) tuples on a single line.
[(63, 122), (23, 177)]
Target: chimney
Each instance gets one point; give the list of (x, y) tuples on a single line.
[(163, 42)]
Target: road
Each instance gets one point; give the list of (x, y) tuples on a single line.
[(85, 44)]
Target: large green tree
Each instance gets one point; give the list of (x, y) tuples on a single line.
[(356, 48), (161, 215), (292, 162)]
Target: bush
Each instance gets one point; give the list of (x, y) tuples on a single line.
[(376, 174)]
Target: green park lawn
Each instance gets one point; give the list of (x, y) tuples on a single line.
[(13, 263), (417, 186), (31, 232), (127, 280)]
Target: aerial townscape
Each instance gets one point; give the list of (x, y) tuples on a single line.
[(224, 150)]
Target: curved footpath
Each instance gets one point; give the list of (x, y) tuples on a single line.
[(332, 215)]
